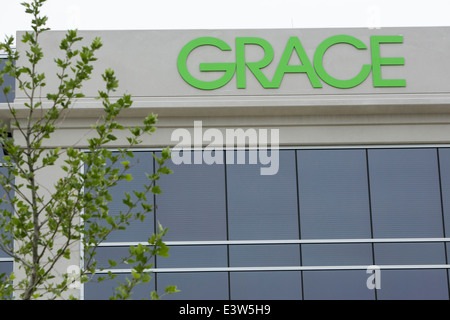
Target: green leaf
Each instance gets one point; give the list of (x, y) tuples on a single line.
[(66, 254), (154, 295), (111, 137), (112, 263), (156, 190), (171, 290), (163, 251)]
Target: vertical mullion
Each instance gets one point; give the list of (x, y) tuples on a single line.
[(370, 212), (443, 218), (226, 221), (298, 214), (154, 220)]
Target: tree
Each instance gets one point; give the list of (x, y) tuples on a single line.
[(38, 230)]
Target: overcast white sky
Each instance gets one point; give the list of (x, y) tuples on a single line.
[(227, 14)]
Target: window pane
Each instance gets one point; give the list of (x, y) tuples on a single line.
[(263, 206), (141, 164), (112, 253), (409, 253), (336, 285), (444, 161), (447, 245), (262, 285), (413, 285), (9, 81), (334, 201), (336, 254), (107, 288), (405, 193), (195, 285), (264, 255), (6, 267), (194, 257), (5, 206), (192, 204)]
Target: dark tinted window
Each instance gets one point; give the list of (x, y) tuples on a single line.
[(413, 284), (264, 255), (409, 253), (333, 194), (8, 82), (404, 186), (195, 286), (5, 206), (194, 257), (263, 206), (336, 254), (192, 204), (336, 285), (107, 288), (6, 267), (104, 254), (141, 164), (266, 285)]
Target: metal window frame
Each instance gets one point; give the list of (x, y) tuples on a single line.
[(443, 240), (286, 268), (287, 241)]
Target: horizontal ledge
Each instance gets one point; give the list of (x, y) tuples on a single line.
[(293, 241), (233, 101), (293, 268), (260, 105), (295, 148)]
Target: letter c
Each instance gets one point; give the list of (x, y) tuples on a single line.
[(318, 62)]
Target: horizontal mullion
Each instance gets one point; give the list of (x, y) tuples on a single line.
[(287, 241), (293, 268)]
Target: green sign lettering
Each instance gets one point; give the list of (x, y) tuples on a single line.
[(315, 70), (306, 67), (228, 68), (318, 62), (255, 67), (378, 61)]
